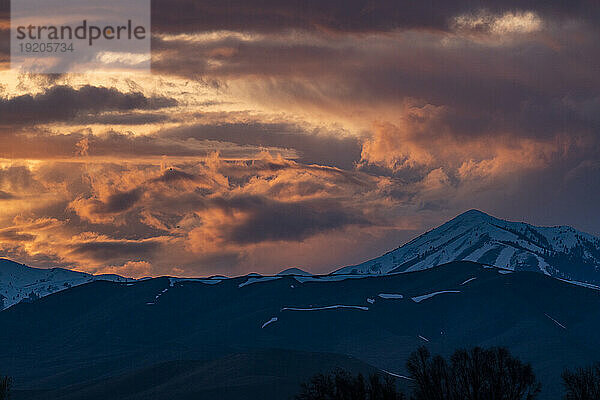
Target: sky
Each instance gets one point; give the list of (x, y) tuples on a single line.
[(312, 134)]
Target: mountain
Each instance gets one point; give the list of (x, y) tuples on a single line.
[(79, 336), (294, 271), (18, 282), (560, 251), (109, 335)]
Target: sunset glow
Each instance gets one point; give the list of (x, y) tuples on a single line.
[(279, 138)]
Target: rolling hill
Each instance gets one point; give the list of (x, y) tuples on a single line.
[(113, 332)]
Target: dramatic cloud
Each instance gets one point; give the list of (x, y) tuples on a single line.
[(6, 196), (213, 209), (312, 145), (64, 103), (291, 133), (341, 15)]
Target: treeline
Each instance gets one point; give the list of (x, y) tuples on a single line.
[(474, 374), (5, 385)]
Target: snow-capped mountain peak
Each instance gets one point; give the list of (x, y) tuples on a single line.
[(559, 251), (19, 282)]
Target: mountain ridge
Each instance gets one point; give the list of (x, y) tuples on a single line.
[(558, 251), (20, 282), (106, 329)]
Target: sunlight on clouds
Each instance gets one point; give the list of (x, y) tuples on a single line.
[(247, 150), (129, 59), (519, 22), (213, 36)]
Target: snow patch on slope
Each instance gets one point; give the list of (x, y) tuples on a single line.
[(468, 280), (418, 299), (555, 321), (337, 306), (274, 319), (390, 296), (250, 281)]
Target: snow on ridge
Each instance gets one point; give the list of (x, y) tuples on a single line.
[(418, 299), (504, 271), (274, 319), (397, 375), (325, 308), (370, 300), (582, 284), (20, 282), (252, 280), (423, 338), (468, 280), (390, 296), (555, 321)]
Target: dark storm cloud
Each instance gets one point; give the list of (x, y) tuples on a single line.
[(336, 15), (18, 179), (313, 146), (269, 56), (4, 10), (113, 250), (12, 235), (4, 46), (564, 193), (527, 87), (173, 175), (271, 220), (63, 103), (40, 144), (131, 118), (119, 202), (4, 32), (341, 15), (6, 196)]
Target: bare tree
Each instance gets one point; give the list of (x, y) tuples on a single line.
[(340, 385), (475, 374), (583, 384), (5, 385), (431, 379)]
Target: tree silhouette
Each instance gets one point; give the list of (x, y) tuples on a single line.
[(475, 374), (341, 385), (583, 384), (5, 385)]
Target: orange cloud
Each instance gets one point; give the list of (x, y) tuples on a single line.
[(133, 269)]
